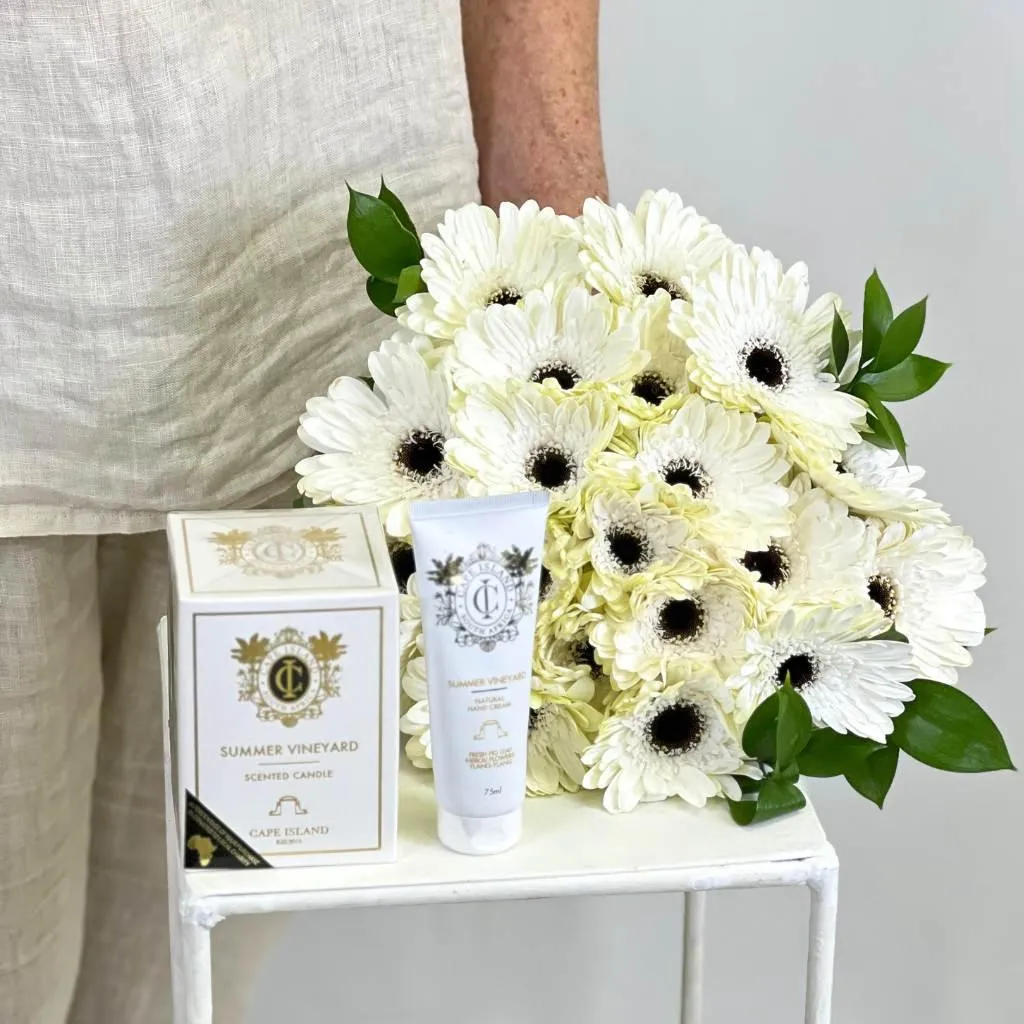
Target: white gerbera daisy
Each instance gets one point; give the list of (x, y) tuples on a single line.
[(383, 446), (720, 469), (521, 438), (851, 683), (674, 627), (564, 668), (403, 338), (415, 723), (759, 347), (663, 246), (567, 336), (924, 580), (660, 386), (677, 743), (822, 559), (556, 741), (875, 482), (480, 258), (630, 538), (410, 623)]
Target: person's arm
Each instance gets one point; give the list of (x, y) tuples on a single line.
[(532, 69)]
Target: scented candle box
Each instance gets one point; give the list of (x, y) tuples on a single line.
[(284, 688)]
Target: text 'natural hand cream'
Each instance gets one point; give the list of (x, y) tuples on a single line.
[(478, 569)]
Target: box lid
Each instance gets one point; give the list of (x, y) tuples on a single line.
[(293, 550)]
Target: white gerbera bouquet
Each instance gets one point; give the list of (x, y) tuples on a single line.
[(742, 580)]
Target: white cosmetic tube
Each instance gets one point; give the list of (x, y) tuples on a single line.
[(478, 571)]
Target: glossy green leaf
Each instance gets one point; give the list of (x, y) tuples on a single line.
[(794, 726), (901, 338), (760, 731), (747, 784), (877, 316), (410, 282), (840, 344), (398, 206), (913, 377), (829, 753), (382, 295), (743, 811), (884, 423), (872, 777), (381, 243), (777, 797), (878, 440), (944, 728)]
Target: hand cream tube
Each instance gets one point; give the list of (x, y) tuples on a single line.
[(478, 571)]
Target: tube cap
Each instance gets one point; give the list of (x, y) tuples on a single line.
[(479, 836)]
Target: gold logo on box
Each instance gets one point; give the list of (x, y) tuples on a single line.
[(279, 551), (290, 676)]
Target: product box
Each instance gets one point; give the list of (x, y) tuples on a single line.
[(284, 695)]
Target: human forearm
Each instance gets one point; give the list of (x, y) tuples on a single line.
[(532, 68)]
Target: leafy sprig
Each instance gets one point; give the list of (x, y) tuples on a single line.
[(888, 369), (386, 244), (941, 727)]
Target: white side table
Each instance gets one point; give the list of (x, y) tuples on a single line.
[(570, 847)]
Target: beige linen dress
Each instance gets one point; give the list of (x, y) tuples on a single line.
[(174, 283)]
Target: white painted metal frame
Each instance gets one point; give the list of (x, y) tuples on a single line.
[(571, 848)]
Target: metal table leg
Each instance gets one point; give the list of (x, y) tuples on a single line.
[(821, 944), (693, 957)]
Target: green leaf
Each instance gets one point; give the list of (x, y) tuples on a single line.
[(380, 241), (409, 283), (878, 440), (777, 797), (873, 776), (760, 731), (990, 629), (747, 784), (794, 726), (913, 377), (743, 811), (877, 316), (944, 728), (901, 338), (382, 295), (840, 343), (398, 206), (829, 753), (884, 423)]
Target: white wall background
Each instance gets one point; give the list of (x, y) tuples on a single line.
[(886, 132)]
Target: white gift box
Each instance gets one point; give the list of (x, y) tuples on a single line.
[(284, 697)]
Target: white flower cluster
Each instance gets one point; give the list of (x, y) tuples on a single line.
[(717, 524)]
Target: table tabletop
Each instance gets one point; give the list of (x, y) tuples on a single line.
[(570, 846)]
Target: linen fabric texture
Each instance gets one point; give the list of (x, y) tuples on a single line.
[(174, 284), (174, 277)]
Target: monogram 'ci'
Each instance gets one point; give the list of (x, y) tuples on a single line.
[(289, 677), (483, 596)]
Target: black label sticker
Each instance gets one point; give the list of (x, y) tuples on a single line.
[(209, 843)]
